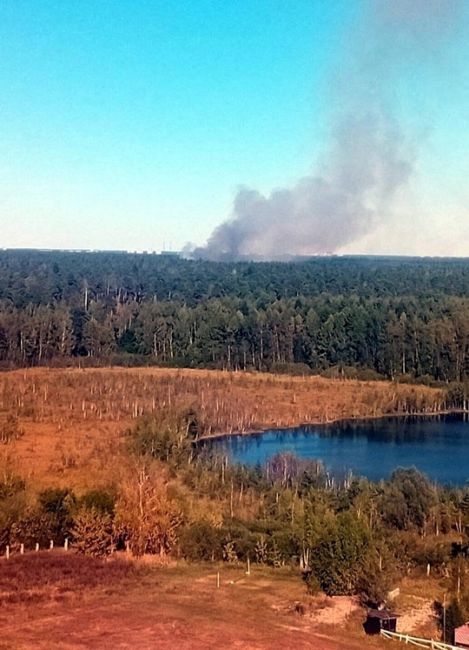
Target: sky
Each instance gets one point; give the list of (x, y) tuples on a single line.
[(133, 125)]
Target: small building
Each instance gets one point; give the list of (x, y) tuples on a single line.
[(461, 636), (380, 619)]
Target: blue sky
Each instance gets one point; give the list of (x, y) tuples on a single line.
[(131, 125)]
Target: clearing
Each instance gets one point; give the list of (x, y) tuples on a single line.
[(55, 600)]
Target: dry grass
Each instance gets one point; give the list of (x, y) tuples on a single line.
[(73, 420), (130, 606), (44, 577)]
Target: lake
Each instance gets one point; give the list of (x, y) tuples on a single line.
[(437, 446)]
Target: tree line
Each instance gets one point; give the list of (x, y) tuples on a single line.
[(387, 316)]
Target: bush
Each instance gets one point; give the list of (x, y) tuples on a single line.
[(374, 584), (92, 532), (168, 437), (296, 369), (339, 557), (285, 545), (100, 500), (243, 540), (201, 541), (407, 499), (146, 517), (34, 527), (351, 372), (58, 504)]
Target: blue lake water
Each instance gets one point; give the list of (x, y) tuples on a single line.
[(437, 446)]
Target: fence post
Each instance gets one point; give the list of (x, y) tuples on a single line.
[(7, 552), (248, 571), (22, 549), (66, 544), (218, 579)]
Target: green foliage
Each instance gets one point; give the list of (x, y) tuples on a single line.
[(58, 504), (377, 577), (407, 500), (201, 541), (168, 437), (350, 317), (437, 555), (12, 510), (295, 369), (338, 559)]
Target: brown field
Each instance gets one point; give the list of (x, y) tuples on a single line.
[(55, 600), (72, 421)]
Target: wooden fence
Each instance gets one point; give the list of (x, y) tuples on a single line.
[(420, 643), (22, 550)]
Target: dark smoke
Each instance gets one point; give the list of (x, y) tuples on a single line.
[(368, 162)]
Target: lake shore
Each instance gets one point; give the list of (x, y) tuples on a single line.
[(341, 420), (69, 422), (436, 445)]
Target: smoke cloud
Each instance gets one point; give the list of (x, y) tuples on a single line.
[(368, 161)]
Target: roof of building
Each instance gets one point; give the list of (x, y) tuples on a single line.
[(461, 634), (382, 614)]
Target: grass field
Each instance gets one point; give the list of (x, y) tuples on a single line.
[(57, 600), (72, 421)]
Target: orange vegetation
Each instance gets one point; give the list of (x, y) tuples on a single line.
[(72, 421), (61, 600)]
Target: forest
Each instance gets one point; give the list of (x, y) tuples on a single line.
[(359, 316)]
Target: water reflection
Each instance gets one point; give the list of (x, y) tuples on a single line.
[(438, 446)]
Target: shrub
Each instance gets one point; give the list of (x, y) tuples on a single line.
[(407, 500), (261, 551), (229, 552), (297, 369), (59, 504), (243, 540), (11, 485), (338, 559), (34, 527), (201, 541), (146, 518), (100, 500), (168, 437), (92, 532)]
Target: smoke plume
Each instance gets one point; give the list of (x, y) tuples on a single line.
[(368, 161)]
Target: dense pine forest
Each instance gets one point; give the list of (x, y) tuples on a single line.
[(392, 317)]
